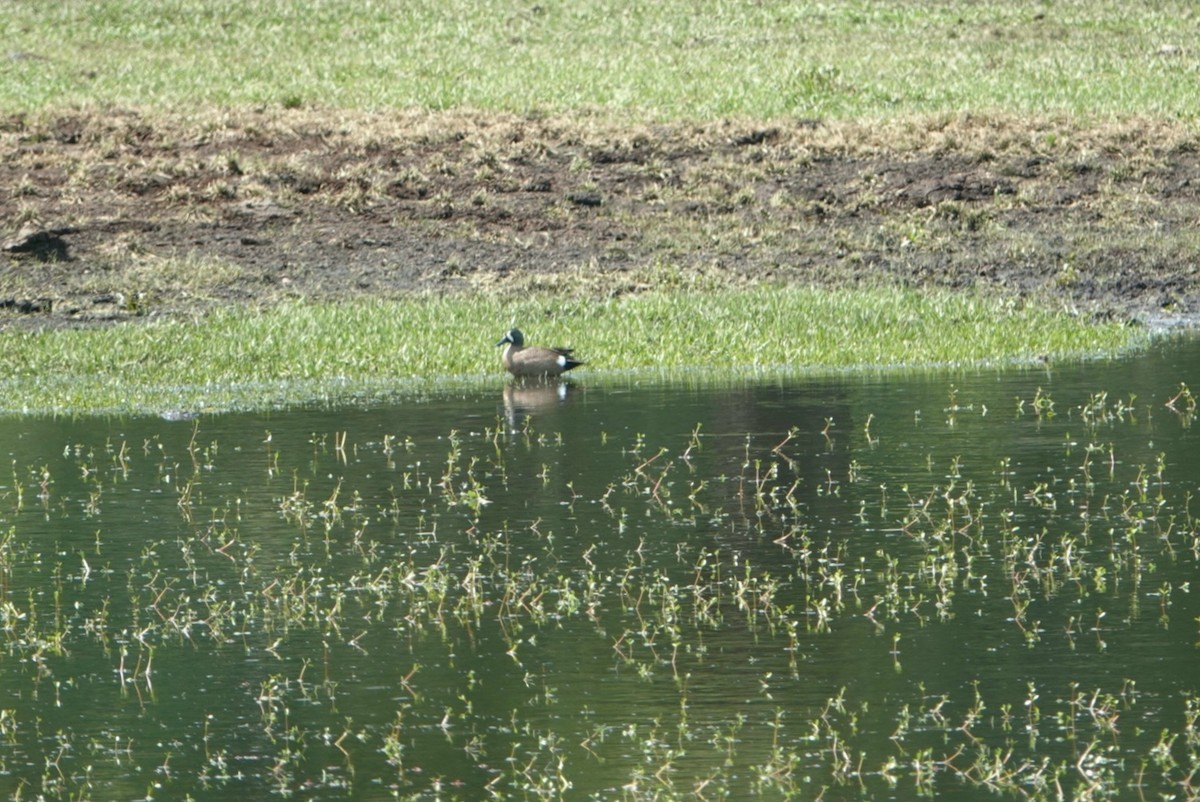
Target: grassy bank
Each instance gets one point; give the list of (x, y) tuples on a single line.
[(666, 60), (271, 149), (298, 353)]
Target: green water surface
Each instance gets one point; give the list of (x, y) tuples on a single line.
[(860, 586)]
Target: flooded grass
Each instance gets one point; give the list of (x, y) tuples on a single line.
[(298, 353), (634, 603)]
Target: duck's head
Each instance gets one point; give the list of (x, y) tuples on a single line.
[(513, 336)]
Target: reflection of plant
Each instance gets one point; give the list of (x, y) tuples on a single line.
[(1042, 405), (1183, 403)]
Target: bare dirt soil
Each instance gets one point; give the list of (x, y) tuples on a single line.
[(110, 216)]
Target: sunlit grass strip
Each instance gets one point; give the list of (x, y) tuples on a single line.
[(297, 353), (671, 59)]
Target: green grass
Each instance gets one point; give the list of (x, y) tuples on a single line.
[(298, 353), (640, 62), (666, 60)]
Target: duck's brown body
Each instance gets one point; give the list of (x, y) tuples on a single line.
[(533, 360)]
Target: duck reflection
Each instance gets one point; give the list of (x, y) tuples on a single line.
[(524, 399)]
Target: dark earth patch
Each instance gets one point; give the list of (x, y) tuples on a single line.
[(113, 216)]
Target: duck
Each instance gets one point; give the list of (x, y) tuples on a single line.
[(534, 360)]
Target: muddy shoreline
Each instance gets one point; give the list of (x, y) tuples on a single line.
[(118, 216)]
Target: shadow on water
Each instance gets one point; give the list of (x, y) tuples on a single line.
[(883, 584)]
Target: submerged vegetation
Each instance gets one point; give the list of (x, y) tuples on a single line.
[(299, 352), (693, 611)]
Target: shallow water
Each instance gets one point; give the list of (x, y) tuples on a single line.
[(862, 585)]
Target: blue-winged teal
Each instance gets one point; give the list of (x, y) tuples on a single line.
[(532, 360)]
